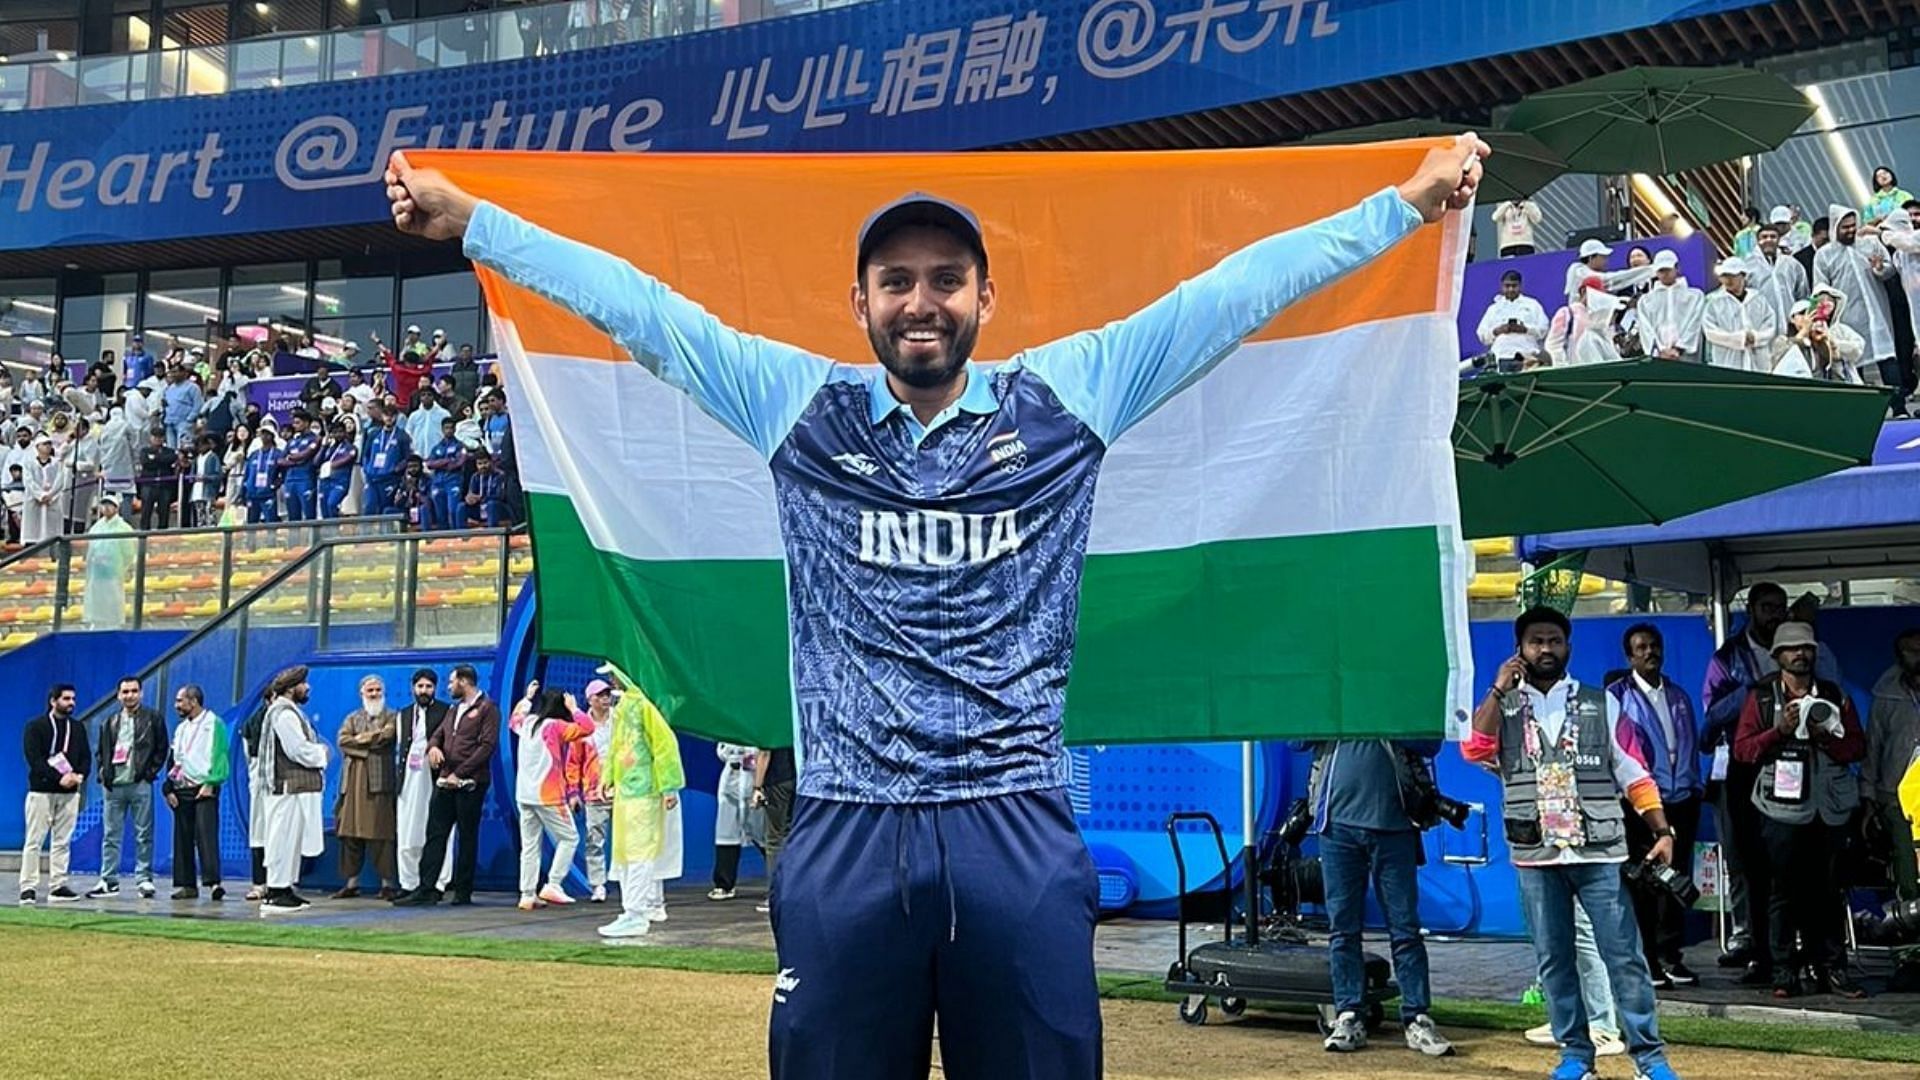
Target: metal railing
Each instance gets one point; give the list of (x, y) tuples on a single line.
[(345, 594), (174, 579), (364, 52)]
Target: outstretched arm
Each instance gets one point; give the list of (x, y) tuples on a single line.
[(754, 386), (1114, 377)]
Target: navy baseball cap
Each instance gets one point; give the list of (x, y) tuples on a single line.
[(919, 208)]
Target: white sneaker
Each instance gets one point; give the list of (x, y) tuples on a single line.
[(146, 890), (1606, 1044), (528, 902), (1424, 1037), (1348, 1034), (658, 914), (553, 895), (1542, 1036), (599, 894), (626, 926), (719, 894)]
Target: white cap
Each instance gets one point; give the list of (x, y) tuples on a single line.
[(1780, 215), (439, 333), (413, 328), (1594, 247), (351, 346), (1730, 266), (1665, 260)]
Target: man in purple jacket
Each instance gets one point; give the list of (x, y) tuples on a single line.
[(1662, 717)]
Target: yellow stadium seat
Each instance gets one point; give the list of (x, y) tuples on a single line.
[(1497, 548)]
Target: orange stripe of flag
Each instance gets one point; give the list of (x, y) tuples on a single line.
[(765, 241)]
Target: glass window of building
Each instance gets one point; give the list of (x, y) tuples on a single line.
[(179, 305), (97, 314), (252, 18), (190, 23), (445, 301), (39, 29), (352, 301), (26, 322), (275, 293)]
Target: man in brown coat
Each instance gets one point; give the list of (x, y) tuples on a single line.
[(364, 815)]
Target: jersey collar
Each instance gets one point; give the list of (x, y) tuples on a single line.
[(976, 398)]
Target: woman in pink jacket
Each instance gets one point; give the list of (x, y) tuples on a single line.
[(545, 726)]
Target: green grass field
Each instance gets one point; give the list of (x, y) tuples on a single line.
[(158, 997)]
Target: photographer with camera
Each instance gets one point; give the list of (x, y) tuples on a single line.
[(1662, 718), (1802, 735), (1565, 763), (1371, 798)]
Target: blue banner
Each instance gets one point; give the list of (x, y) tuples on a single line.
[(888, 75)]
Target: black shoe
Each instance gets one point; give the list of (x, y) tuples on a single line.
[(219, 892), (462, 900), (1786, 988), (1680, 975), (420, 897), (1756, 975), (1739, 952), (286, 903), (27, 898), (1839, 983), (103, 891), (1659, 976), (63, 895), (185, 892)]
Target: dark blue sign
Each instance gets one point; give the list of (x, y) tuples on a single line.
[(888, 75)]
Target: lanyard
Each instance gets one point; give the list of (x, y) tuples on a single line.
[(65, 731), (1569, 729)]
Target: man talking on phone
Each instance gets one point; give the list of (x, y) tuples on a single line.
[(1566, 761)]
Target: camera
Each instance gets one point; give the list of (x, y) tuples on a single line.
[(1679, 885), (1452, 811), (1818, 712)]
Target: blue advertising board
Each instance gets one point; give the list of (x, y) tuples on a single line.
[(888, 75)]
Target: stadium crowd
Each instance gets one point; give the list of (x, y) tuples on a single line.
[(1836, 298), (421, 431)]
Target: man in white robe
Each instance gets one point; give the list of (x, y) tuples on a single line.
[(296, 774), (44, 511), (1774, 273), (1738, 323), (417, 723), (1858, 265), (1669, 313)]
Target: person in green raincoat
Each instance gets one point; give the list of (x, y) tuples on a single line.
[(104, 607), (643, 774)]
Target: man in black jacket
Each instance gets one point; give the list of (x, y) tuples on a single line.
[(132, 752), (418, 721), (57, 763), (461, 755)]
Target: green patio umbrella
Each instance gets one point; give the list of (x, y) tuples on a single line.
[(1645, 441), (1520, 164), (1662, 120)]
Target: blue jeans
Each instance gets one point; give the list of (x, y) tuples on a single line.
[(123, 801), (261, 508), (1547, 894), (1348, 857)]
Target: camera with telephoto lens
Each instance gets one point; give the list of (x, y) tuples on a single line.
[(1902, 923), (1428, 806), (1679, 885)]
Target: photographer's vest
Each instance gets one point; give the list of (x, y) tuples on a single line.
[(1829, 789), (289, 776), (1585, 748)]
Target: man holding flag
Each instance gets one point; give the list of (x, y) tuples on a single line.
[(934, 868)]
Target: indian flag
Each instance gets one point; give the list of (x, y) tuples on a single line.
[(1274, 554)]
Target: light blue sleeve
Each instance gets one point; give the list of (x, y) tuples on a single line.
[(1114, 377), (756, 387)]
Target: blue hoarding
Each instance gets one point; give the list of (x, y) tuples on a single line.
[(892, 75)]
